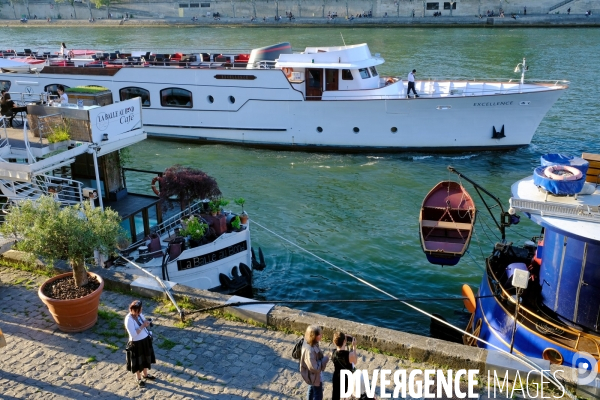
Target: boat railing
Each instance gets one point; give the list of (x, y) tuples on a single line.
[(66, 191), (169, 224), (579, 212), (541, 324), (264, 64), (3, 137)]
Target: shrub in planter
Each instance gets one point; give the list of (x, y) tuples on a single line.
[(52, 232), (186, 184)]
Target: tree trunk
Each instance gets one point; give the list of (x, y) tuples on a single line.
[(79, 272), (74, 12), (15, 11), (90, 8)]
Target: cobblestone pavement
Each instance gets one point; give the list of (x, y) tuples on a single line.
[(214, 358)]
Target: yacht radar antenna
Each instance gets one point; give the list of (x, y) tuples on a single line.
[(524, 68), (345, 41)]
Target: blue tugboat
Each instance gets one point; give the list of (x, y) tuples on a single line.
[(551, 285)]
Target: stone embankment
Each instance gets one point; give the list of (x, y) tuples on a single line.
[(379, 22), (211, 356)]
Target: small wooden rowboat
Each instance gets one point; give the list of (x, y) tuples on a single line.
[(446, 222)]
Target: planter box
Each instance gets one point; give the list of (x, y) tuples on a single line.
[(78, 120), (117, 195), (91, 99), (59, 145)]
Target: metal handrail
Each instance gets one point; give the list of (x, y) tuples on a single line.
[(171, 222)]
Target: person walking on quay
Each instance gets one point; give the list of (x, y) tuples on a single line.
[(525, 10), (569, 11), (411, 83), (313, 362), (140, 353)]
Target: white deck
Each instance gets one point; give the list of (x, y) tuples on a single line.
[(526, 190)]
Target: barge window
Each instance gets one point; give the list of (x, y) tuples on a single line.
[(132, 92), (194, 5), (433, 6), (53, 89), (373, 71), (447, 5), (347, 75), (176, 97), (364, 73), (5, 85)]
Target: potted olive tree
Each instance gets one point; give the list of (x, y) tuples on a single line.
[(52, 232)]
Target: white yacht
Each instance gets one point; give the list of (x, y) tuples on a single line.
[(323, 98)]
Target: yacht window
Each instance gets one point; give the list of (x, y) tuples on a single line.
[(132, 92), (53, 89), (373, 71), (176, 97), (364, 73), (433, 6), (5, 85), (347, 75)]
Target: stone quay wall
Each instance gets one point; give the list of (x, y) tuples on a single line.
[(204, 9)]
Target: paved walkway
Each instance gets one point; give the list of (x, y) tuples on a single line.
[(214, 358)]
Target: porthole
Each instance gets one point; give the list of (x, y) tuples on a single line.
[(319, 129), (553, 356), (211, 99), (394, 129), (231, 99), (356, 130)]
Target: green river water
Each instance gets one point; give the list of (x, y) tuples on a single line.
[(360, 212)]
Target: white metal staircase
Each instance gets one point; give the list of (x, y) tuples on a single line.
[(29, 178)]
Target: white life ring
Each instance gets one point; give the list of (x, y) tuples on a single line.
[(572, 175), (287, 72)]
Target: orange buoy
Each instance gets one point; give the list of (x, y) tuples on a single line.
[(154, 189), (538, 256), (469, 299)]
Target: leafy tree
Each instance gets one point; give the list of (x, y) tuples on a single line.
[(12, 3), (101, 3), (187, 184), (46, 229)]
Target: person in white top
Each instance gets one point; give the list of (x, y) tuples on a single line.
[(411, 83), (140, 356), (63, 98), (63, 50)]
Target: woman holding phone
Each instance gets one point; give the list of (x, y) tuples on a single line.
[(344, 358)]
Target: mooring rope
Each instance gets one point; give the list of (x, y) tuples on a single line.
[(248, 303)]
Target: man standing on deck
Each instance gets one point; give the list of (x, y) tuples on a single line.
[(411, 83)]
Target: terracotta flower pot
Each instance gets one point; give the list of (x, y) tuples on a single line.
[(73, 315)]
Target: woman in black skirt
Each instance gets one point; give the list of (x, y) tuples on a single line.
[(141, 356)]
